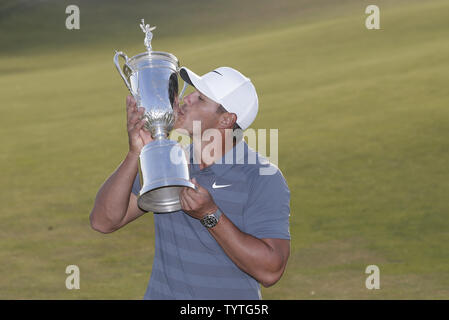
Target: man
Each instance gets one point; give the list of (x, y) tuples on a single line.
[(233, 230)]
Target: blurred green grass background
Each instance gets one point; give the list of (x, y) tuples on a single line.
[(363, 138)]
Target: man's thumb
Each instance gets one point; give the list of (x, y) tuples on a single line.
[(195, 183)]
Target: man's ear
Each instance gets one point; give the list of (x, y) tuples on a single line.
[(227, 120)]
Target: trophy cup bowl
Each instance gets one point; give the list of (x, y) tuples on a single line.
[(152, 79)]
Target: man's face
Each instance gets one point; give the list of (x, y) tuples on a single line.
[(196, 107)]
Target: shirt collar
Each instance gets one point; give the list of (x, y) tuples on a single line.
[(236, 155)]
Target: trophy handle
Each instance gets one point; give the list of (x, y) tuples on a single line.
[(119, 69)]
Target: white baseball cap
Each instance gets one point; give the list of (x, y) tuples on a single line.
[(228, 87)]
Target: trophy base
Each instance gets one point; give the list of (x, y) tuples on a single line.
[(163, 172), (162, 200)]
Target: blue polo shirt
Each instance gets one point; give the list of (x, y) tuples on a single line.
[(188, 262)]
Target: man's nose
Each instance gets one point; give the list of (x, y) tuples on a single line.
[(188, 99)]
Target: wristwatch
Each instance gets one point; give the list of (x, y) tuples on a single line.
[(211, 220)]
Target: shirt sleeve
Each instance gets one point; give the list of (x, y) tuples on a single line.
[(267, 212), (136, 185)]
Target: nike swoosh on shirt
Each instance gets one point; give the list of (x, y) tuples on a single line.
[(220, 186)]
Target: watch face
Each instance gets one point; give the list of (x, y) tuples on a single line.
[(209, 221)]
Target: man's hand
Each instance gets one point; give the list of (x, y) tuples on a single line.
[(197, 203), (263, 259), (138, 137)]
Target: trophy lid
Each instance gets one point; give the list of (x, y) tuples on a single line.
[(152, 59)]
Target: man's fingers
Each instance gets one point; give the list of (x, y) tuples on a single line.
[(136, 114), (130, 101), (132, 124), (136, 127), (130, 105), (184, 204), (198, 188), (134, 118), (189, 196), (130, 116), (145, 135), (192, 193), (188, 199)]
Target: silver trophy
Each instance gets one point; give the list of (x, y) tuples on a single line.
[(152, 79)]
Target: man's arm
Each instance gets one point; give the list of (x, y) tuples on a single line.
[(263, 259), (115, 205)]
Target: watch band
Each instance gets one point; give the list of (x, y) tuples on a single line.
[(217, 213)]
